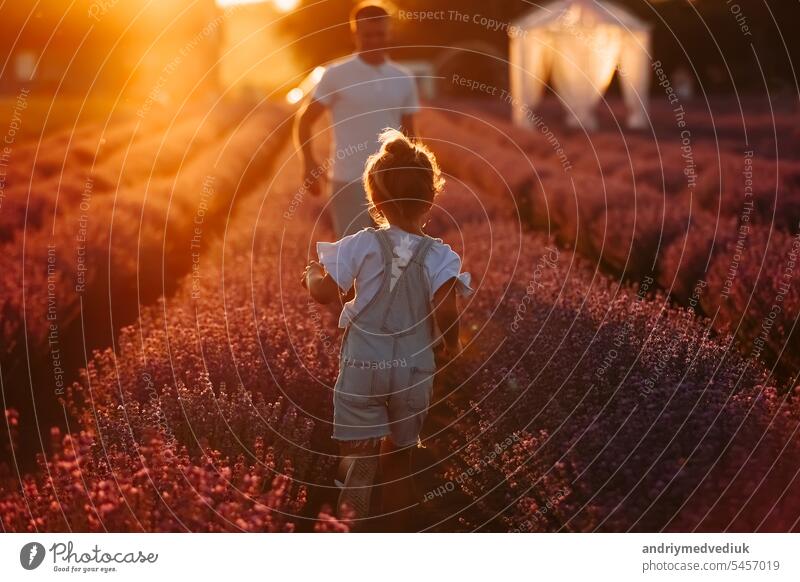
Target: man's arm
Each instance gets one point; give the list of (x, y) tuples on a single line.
[(304, 121)]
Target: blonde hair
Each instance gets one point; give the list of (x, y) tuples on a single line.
[(403, 173)]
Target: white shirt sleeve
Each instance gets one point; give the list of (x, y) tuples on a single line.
[(325, 90), (442, 264), (343, 258)]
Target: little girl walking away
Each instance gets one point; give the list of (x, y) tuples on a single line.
[(404, 308)]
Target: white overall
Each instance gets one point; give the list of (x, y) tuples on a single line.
[(386, 365)]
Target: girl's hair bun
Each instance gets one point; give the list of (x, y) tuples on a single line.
[(397, 145)]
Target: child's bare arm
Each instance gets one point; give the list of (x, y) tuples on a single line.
[(446, 314), (320, 285)]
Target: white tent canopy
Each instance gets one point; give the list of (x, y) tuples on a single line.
[(578, 45)]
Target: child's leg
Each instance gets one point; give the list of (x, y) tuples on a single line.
[(357, 470), (399, 494), (351, 449)]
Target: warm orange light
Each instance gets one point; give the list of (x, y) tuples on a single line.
[(295, 95), (228, 3), (308, 84), (316, 75), (281, 5), (286, 5)]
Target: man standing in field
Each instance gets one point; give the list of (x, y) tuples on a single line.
[(365, 93)]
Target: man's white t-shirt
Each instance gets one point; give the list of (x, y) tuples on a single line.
[(358, 259), (363, 100)]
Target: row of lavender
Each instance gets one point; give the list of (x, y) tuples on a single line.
[(586, 404), (197, 420), (579, 404), (85, 216), (715, 227)]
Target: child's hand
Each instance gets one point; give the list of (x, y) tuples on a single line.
[(313, 269), (321, 286)]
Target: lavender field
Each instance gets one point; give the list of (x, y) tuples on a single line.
[(626, 367)]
